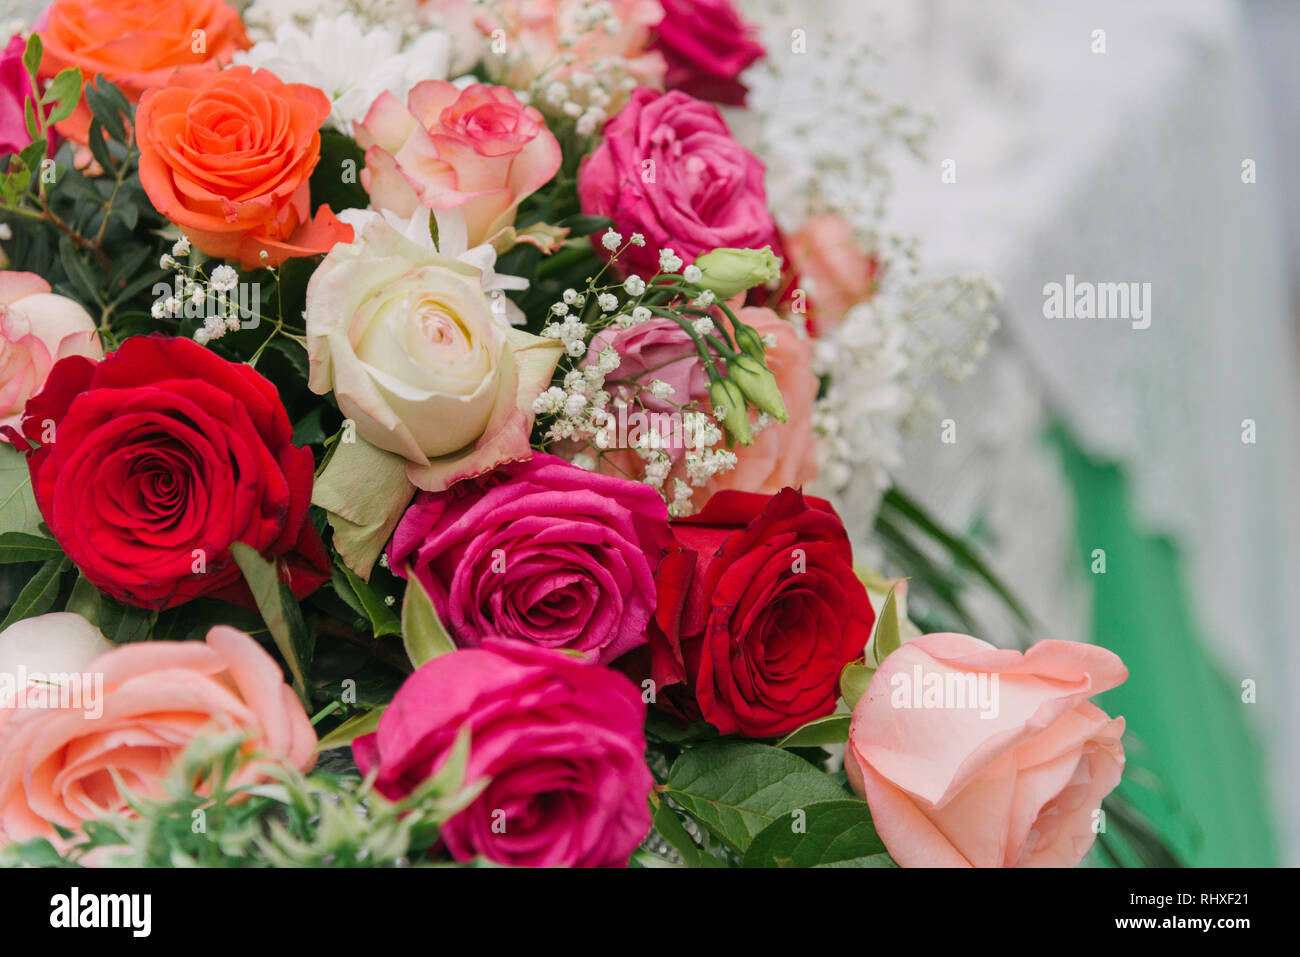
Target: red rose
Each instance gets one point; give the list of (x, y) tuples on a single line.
[(153, 461), (759, 611)]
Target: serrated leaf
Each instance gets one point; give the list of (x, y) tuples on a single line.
[(832, 729), (24, 547), (38, 596), (736, 789), (423, 634), (280, 611), (351, 729), (854, 680), (836, 833)]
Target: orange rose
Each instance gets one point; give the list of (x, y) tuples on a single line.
[(136, 44), (225, 155)]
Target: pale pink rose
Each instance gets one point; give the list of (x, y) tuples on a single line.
[(838, 272), (57, 764), (37, 329), (478, 150), (1010, 776)]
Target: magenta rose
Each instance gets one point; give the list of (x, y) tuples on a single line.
[(668, 168), (541, 551), (560, 741), (15, 88), (707, 46)]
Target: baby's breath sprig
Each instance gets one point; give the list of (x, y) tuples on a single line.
[(578, 411)]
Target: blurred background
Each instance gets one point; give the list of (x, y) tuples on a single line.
[(1149, 142)]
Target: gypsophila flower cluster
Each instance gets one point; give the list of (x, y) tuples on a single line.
[(579, 413)]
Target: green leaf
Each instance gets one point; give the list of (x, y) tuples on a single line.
[(65, 93), (107, 106), (351, 729), (336, 180), (83, 278), (84, 600), (853, 682), (121, 624), (736, 789), (280, 611), (383, 620), (832, 729), (671, 829), (29, 117), (423, 635), (886, 639), (586, 225), (894, 500), (32, 55), (835, 833), (39, 594), (22, 547)]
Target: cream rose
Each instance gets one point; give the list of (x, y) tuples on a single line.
[(408, 342)]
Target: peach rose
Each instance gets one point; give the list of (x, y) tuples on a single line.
[(57, 764), (783, 454), (477, 149), (840, 273), (226, 156), (136, 44), (975, 756), (37, 329)]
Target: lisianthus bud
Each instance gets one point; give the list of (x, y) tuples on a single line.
[(729, 406), (758, 384), (750, 342), (731, 271)]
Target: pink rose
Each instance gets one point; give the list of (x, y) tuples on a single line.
[(37, 328), (707, 46), (669, 169), (157, 696), (838, 271), (542, 551), (479, 150), (559, 739), (974, 756)]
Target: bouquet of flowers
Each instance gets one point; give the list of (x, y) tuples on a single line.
[(427, 429)]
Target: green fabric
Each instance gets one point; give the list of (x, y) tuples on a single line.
[(1186, 722)]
